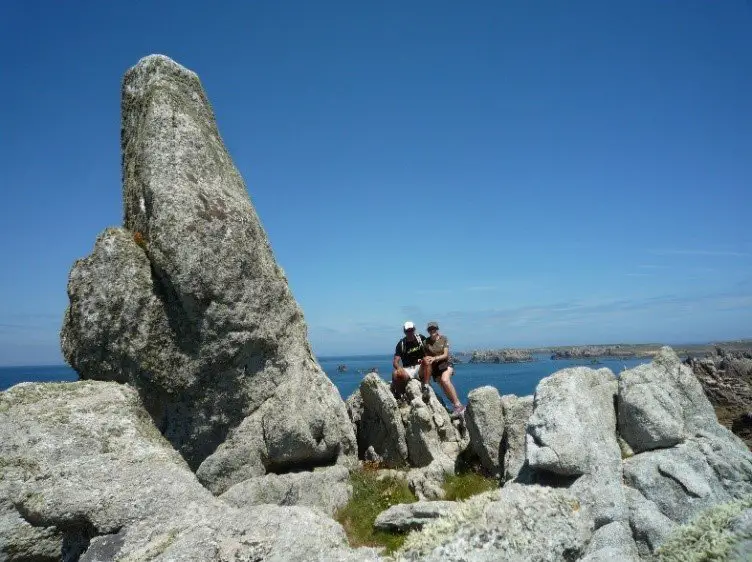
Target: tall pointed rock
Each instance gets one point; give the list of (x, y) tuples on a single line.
[(187, 303)]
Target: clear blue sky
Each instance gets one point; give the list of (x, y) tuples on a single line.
[(526, 173)]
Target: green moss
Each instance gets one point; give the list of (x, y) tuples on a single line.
[(371, 497), (706, 537), (461, 486)]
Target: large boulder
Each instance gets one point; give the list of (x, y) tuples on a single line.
[(97, 471), (187, 303), (571, 439), (686, 462), (662, 403), (485, 425)]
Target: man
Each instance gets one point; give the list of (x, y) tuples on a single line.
[(408, 356), (436, 364)]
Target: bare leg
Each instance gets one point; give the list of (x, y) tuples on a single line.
[(399, 381), (448, 387), (425, 372)]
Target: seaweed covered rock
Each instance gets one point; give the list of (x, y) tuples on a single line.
[(187, 303)]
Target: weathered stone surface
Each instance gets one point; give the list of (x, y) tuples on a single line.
[(650, 528), (612, 542), (96, 467), (414, 433), (517, 412), (517, 522), (572, 433), (409, 516), (662, 403), (691, 477), (378, 421), (18, 539), (485, 425), (426, 482), (708, 466), (187, 303), (429, 432), (326, 489)]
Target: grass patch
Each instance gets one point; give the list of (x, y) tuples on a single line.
[(462, 486), (370, 497)]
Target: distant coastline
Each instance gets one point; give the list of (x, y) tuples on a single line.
[(594, 352)]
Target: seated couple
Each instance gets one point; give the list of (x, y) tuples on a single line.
[(420, 357)]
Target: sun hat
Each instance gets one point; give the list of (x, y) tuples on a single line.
[(432, 325)]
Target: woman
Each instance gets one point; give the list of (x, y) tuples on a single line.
[(436, 364)]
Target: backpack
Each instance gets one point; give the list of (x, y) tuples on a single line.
[(402, 343)]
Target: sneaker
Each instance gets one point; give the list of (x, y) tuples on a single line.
[(458, 410), (425, 393)]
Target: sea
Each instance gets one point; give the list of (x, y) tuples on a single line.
[(346, 372)]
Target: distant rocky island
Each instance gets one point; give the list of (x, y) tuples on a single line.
[(494, 356)]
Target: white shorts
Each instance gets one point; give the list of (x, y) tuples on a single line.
[(413, 372)]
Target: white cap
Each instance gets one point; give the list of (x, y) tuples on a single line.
[(408, 326)]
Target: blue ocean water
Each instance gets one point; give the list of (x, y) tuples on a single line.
[(511, 378)]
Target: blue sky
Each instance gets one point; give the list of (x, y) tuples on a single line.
[(526, 173)]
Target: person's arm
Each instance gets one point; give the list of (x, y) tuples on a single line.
[(397, 362)]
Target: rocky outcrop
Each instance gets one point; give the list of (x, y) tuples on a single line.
[(689, 462), (726, 378), (409, 434), (187, 304), (571, 439), (85, 460), (517, 412), (377, 421), (517, 522), (485, 424)]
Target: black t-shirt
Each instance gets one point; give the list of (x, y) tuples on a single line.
[(410, 351)]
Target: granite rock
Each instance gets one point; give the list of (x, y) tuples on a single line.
[(485, 424), (326, 489), (187, 304), (98, 472)]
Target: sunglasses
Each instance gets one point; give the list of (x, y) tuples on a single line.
[(433, 329)]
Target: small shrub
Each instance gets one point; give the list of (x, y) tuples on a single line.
[(370, 497), (462, 486)]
